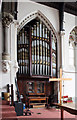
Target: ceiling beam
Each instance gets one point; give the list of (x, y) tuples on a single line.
[(70, 7)]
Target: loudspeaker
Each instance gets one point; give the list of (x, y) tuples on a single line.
[(19, 108)]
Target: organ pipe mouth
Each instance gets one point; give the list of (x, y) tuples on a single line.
[(37, 24)]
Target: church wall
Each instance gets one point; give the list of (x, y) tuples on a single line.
[(69, 62), (26, 8)]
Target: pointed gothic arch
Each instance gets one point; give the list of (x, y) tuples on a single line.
[(42, 17), (72, 46), (45, 29), (73, 36)]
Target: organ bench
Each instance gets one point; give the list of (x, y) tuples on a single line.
[(38, 100)]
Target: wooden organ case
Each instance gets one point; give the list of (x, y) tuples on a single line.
[(37, 60)]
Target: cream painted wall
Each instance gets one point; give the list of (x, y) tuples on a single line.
[(26, 8), (69, 68), (69, 25)]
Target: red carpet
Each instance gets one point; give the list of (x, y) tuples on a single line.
[(8, 113), (41, 113)]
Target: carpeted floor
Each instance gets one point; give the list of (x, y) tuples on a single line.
[(43, 113), (8, 113)]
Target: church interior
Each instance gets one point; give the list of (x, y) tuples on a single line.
[(38, 60)]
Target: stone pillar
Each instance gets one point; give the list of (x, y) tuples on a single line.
[(16, 67), (7, 19), (62, 33), (13, 55), (61, 59)]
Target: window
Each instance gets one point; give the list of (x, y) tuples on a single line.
[(72, 46), (73, 37)]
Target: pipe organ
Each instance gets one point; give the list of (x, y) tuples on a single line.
[(54, 55), (36, 58), (40, 50), (23, 52)]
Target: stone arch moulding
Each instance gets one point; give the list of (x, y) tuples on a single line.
[(72, 28), (73, 35), (42, 17)]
